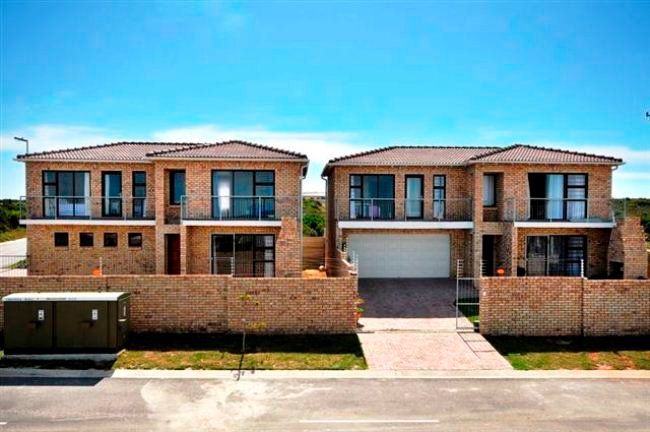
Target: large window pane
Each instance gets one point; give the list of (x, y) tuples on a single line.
[(489, 190), (386, 187), (112, 191), (176, 186)]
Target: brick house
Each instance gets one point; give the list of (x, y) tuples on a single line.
[(518, 210), (165, 208)]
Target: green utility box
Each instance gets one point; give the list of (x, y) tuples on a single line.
[(84, 322)]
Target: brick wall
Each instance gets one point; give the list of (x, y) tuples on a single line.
[(627, 246), (203, 303), (45, 258), (564, 306)]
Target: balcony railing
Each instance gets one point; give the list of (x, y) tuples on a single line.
[(86, 207), (239, 208), (541, 266), (390, 209), (564, 209)]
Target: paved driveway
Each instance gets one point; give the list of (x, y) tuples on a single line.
[(411, 324)]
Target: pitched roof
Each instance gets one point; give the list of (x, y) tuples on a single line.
[(521, 153), (143, 151), (229, 150), (119, 152), (410, 156), (461, 156)]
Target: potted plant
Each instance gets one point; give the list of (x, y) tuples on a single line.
[(358, 310)]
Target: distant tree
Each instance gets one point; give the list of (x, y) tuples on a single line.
[(313, 219)]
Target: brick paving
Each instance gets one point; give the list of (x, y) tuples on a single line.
[(410, 324)]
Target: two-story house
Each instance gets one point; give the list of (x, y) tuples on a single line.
[(165, 208), (519, 210)]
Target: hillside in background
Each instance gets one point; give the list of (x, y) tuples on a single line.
[(9, 217), (313, 218)]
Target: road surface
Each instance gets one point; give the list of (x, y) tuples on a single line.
[(30, 404), (12, 251)]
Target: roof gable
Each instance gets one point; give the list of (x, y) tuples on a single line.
[(521, 153), (228, 150)]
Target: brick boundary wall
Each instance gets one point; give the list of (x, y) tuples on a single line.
[(564, 306), (214, 304)]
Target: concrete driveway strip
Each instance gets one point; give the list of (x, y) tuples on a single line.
[(42, 404)]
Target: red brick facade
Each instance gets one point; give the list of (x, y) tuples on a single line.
[(205, 303)]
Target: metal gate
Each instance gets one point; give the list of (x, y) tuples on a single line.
[(467, 299)]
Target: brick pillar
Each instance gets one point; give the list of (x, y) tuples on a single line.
[(159, 205), (288, 249), (476, 193), (184, 240), (627, 245)]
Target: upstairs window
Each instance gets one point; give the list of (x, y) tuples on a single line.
[(176, 186), (489, 190), (372, 196), (65, 194)]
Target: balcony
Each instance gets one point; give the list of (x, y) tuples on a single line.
[(541, 212), (238, 210), (404, 213), (86, 210)]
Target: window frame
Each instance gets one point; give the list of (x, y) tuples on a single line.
[(254, 251), (362, 198), (172, 186), (439, 201), (135, 197), (406, 198), (56, 195), (111, 198), (565, 249), (131, 235), (494, 190), (67, 239), (92, 239), (117, 240)]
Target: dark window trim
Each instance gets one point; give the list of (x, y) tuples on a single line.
[(255, 182), (421, 177), (92, 238), (138, 199), (362, 197), (255, 249), (56, 185), (172, 190), (105, 197), (128, 240), (441, 201), (566, 248), (117, 240), (565, 192), (67, 239), (494, 192)]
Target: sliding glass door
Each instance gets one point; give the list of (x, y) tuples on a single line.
[(557, 196), (414, 206), (66, 194), (555, 255), (243, 194), (245, 255)]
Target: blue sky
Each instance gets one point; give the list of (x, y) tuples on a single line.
[(328, 78)]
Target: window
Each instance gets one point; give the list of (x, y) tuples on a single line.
[(243, 194), (135, 240), (252, 255), (111, 193), (439, 196), (86, 239), (372, 196), (176, 186), (555, 255), (414, 206), (60, 239), (110, 239), (489, 190), (139, 180), (65, 194), (558, 196)]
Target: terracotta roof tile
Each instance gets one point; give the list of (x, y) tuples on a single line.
[(520, 153), (229, 150), (142, 151)]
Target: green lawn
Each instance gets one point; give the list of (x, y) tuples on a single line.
[(470, 312), (575, 353), (13, 234), (154, 351)]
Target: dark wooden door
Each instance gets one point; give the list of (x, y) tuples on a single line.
[(173, 253)]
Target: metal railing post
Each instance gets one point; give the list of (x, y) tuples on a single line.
[(259, 207), (372, 213)]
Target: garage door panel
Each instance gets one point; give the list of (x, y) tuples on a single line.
[(401, 256)]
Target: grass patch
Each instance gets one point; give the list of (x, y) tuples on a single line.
[(194, 351), (590, 353), (13, 234), (470, 311)]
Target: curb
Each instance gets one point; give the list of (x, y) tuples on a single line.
[(319, 374)]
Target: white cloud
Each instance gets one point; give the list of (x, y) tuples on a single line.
[(52, 137)]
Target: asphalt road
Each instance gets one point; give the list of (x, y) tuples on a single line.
[(12, 252), (37, 404)]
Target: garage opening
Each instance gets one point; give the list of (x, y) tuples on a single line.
[(401, 255)]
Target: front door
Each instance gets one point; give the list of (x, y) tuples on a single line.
[(173, 253)]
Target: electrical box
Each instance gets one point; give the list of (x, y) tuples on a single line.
[(65, 322)]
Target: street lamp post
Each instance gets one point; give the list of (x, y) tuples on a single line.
[(26, 141)]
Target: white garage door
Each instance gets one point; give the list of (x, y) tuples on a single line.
[(401, 256)]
